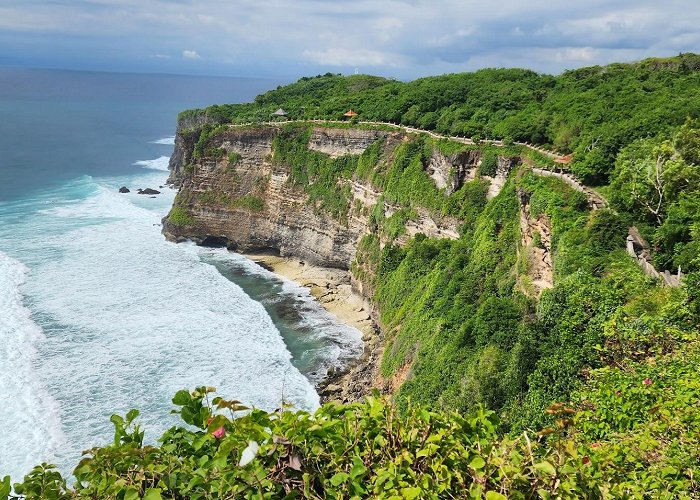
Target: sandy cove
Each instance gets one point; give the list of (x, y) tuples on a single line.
[(332, 289)]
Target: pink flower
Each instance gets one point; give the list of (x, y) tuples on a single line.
[(219, 433), (647, 381)]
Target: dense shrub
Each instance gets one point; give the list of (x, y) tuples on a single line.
[(180, 216), (368, 450)]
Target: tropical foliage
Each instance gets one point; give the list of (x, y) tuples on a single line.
[(592, 111), (657, 181), (367, 449)]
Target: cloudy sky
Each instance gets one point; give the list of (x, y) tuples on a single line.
[(289, 38)]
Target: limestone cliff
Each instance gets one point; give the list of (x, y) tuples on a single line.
[(189, 126), (241, 198)]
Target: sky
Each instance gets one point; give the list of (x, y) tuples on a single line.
[(403, 39)]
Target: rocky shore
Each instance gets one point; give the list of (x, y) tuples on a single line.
[(333, 290)]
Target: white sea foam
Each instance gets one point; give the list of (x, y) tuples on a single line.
[(30, 428), (165, 140), (341, 343), (160, 163), (130, 318)]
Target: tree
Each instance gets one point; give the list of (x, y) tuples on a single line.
[(649, 175), (687, 141)]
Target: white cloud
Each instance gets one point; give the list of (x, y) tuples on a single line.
[(337, 56), (576, 54), (403, 38), (190, 54)]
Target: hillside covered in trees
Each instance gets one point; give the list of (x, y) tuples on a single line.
[(592, 111)]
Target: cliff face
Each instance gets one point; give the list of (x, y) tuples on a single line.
[(338, 142), (246, 202), (243, 199), (186, 135)]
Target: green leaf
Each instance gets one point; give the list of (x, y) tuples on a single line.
[(477, 463), (219, 462), (182, 398), (131, 494), (494, 495), (5, 488), (116, 420), (131, 416), (358, 468), (339, 478), (546, 467), (153, 494), (411, 493), (199, 442), (187, 415), (195, 481)]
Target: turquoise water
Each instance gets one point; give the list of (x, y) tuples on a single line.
[(98, 313)]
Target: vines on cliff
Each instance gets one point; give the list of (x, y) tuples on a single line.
[(316, 172), (453, 314)]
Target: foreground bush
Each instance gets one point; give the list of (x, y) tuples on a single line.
[(367, 450)]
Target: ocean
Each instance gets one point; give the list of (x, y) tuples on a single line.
[(98, 313)]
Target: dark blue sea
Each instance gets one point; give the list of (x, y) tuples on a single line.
[(98, 313)]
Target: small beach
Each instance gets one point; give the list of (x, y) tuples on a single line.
[(330, 287)]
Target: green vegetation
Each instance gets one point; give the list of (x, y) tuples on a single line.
[(233, 158), (452, 311), (249, 202), (489, 163), (657, 182), (202, 147), (212, 197), (316, 172), (395, 225), (398, 171), (367, 450), (593, 111), (454, 315), (180, 216)]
